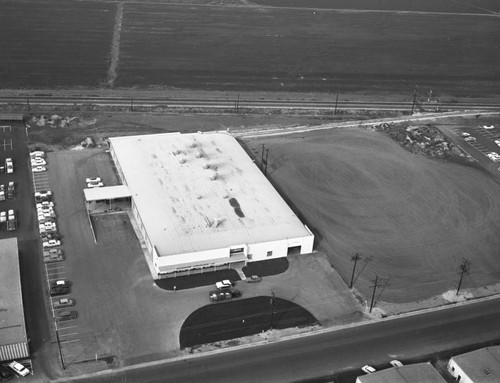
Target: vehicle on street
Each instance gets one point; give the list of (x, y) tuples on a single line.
[(470, 139), (52, 243), (368, 369), (39, 169), (253, 279), (38, 162), (488, 127), (396, 363), (3, 216), (64, 302), (19, 369), (66, 315), (93, 179), (59, 290), (223, 294), (223, 284), (97, 184), (2, 192), (11, 190), (61, 283), (464, 134)]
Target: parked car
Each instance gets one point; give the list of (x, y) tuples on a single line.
[(64, 302), (497, 142), (2, 169), (253, 279), (45, 204), (39, 169), (488, 127), (52, 243), (38, 162), (464, 134), (37, 154), (93, 179), (3, 216), (61, 282), (223, 294), (47, 252), (97, 184), (470, 139), (2, 192), (66, 315), (48, 236), (223, 284), (59, 290), (11, 190), (396, 363), (368, 369), (52, 258), (19, 369), (43, 193)]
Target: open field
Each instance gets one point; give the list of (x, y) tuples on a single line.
[(254, 47), (54, 43), (412, 218)]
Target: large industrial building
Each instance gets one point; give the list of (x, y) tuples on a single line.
[(411, 373), (13, 338), (202, 204), (479, 366)]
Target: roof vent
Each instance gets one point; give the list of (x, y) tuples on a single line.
[(199, 154), (182, 160), (176, 152), (193, 145), (213, 177), (206, 166)]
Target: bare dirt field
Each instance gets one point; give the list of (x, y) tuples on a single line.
[(412, 218)]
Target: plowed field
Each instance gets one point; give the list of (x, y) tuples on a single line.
[(413, 219)]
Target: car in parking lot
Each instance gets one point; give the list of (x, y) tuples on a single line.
[(497, 142), (43, 193), (49, 236), (464, 134), (253, 279), (39, 169), (64, 302), (470, 139), (2, 192), (38, 162), (396, 363), (61, 282), (3, 216), (368, 369), (66, 315), (488, 127), (96, 184), (19, 369), (494, 156), (52, 243), (53, 258), (44, 204), (59, 290), (11, 190), (52, 251), (93, 179), (5, 374), (37, 154)]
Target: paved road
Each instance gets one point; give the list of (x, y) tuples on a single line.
[(340, 352)]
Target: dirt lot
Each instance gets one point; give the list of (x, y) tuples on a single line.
[(412, 218)]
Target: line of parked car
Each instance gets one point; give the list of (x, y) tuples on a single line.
[(9, 217), (8, 371), (38, 162)]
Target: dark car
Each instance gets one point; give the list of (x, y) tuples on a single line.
[(5, 373), (66, 315), (59, 290), (49, 236), (253, 279), (223, 294)]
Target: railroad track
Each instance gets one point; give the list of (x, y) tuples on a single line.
[(241, 104)]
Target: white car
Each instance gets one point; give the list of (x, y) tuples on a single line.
[(368, 369), (396, 363), (223, 284), (45, 204), (488, 127), (38, 169), (18, 368), (12, 214), (96, 184), (37, 154), (464, 134), (52, 243), (495, 157), (497, 142), (43, 193), (3, 216), (93, 179), (470, 139), (38, 161)]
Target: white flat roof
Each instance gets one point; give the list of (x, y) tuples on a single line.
[(482, 366), (201, 191), (12, 326), (106, 192), (411, 373)]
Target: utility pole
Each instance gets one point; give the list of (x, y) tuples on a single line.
[(237, 104), (354, 258), (336, 103), (28, 102), (272, 301), (464, 267), (131, 104), (263, 159), (414, 102), (60, 352), (375, 285)]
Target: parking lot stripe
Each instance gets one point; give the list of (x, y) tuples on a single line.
[(55, 268), (70, 341), (65, 328), (69, 334)]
